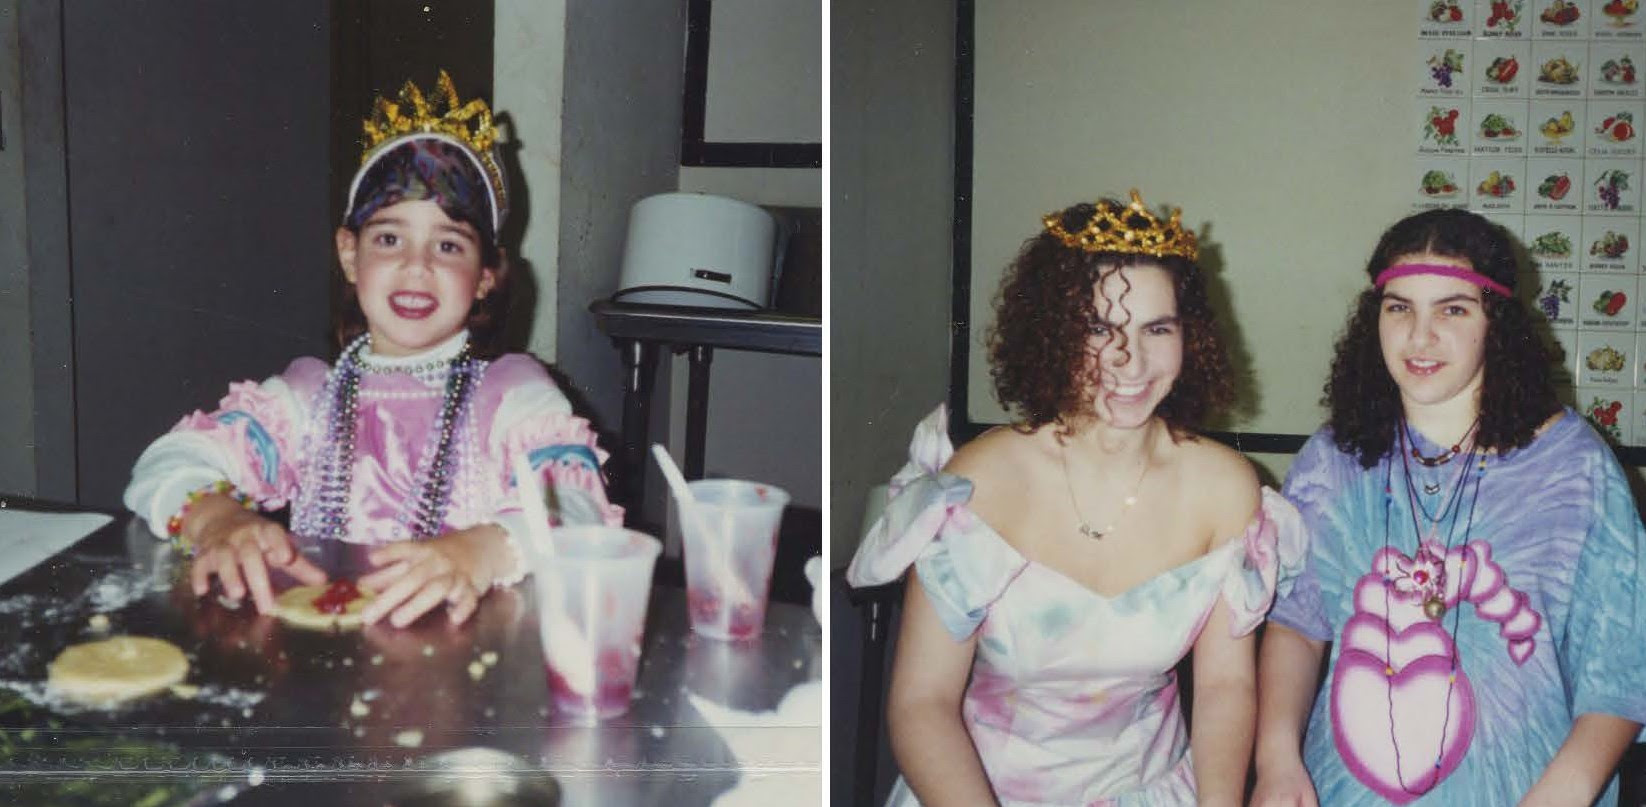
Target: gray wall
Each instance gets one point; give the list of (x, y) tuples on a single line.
[(199, 154), (177, 234), (620, 142), (16, 364), (891, 200)]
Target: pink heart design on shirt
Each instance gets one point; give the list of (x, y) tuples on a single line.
[(1431, 731)]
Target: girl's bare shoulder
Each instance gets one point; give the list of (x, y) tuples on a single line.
[(1225, 485), (994, 453)]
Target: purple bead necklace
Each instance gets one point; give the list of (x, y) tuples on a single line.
[(323, 506)]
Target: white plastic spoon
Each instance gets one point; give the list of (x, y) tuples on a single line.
[(579, 669), (738, 591)]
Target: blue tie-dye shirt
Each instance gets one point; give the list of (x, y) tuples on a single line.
[(1459, 663)]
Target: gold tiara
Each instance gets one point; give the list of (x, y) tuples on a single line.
[(467, 124), (1131, 229)]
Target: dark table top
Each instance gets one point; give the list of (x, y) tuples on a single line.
[(358, 717)]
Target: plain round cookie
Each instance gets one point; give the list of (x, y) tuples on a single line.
[(116, 669), (295, 607)]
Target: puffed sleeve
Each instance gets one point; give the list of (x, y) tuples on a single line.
[(252, 440), (1311, 490), (1269, 561), (533, 419), (1602, 651), (964, 566)]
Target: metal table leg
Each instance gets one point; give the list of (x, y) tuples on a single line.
[(640, 370), (697, 409)]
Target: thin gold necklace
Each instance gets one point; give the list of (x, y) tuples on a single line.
[(1082, 524)]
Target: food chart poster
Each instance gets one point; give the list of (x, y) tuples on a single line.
[(1529, 112)]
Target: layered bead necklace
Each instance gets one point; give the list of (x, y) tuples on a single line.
[(1434, 602), (323, 507)]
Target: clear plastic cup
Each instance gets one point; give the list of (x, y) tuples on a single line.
[(729, 551), (591, 611)]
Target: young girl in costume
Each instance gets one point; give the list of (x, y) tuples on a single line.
[(1474, 558), (407, 441), (1060, 568)]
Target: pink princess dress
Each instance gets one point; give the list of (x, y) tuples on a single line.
[(1073, 699), (285, 440)]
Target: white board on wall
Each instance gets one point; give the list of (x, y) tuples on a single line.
[(765, 75), (1280, 128)]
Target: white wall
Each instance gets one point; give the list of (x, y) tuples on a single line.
[(891, 218), (1283, 130), (528, 78)]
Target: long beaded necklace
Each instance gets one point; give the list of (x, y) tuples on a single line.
[(1434, 606), (1429, 605), (323, 510)]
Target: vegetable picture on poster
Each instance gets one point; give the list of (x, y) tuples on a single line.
[(1529, 113)]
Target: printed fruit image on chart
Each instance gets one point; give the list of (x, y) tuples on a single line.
[(1556, 128), (1496, 184), (1619, 12), (1617, 71), (1557, 71), (1498, 127), (1604, 360), (1610, 186), (1438, 183), (1552, 245), (1550, 300), (1505, 15), (1602, 413), (1503, 70), (1445, 11), (1443, 65), (1555, 187), (1441, 126), (1560, 13), (1619, 128), (1611, 245), (1609, 303)]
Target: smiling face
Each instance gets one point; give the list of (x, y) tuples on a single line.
[(416, 272), (1433, 333), (1136, 345)]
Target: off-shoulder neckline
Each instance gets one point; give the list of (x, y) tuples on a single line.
[(1175, 572)]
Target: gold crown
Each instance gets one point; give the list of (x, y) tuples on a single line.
[(1131, 229), (467, 123)]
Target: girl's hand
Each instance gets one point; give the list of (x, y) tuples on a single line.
[(1288, 786), (415, 576), (239, 547)]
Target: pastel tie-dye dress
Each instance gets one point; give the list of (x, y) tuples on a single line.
[(1073, 699), (1537, 559)]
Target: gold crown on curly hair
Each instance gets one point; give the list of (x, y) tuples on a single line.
[(1131, 229), (466, 124)]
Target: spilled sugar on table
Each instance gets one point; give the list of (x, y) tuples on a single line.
[(271, 713)]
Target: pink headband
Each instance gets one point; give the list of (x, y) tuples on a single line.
[(1448, 270)]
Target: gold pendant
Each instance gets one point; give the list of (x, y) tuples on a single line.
[(1434, 608)]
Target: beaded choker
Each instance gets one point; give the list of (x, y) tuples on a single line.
[(323, 509), (1443, 457)]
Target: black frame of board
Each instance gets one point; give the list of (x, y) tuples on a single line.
[(694, 150)]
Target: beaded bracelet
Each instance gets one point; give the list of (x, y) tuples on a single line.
[(174, 525)]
